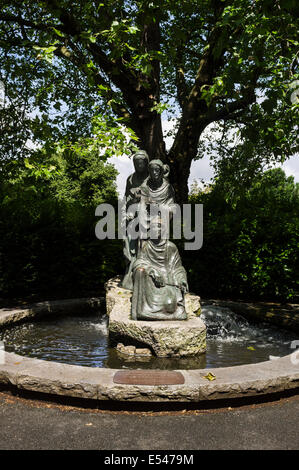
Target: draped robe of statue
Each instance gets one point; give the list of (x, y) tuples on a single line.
[(130, 245), (132, 198), (162, 197), (160, 280)]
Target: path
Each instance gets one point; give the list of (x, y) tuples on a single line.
[(28, 424)]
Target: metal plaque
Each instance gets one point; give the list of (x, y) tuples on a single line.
[(148, 377)]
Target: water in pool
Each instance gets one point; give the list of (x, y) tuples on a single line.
[(83, 340)]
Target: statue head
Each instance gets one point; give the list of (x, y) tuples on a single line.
[(157, 172), (140, 160)]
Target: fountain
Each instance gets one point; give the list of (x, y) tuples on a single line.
[(231, 341), (150, 343), (44, 352)]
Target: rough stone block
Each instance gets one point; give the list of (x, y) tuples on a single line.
[(164, 338)]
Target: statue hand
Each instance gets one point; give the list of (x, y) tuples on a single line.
[(159, 281), (129, 217), (157, 278), (127, 253), (184, 287)]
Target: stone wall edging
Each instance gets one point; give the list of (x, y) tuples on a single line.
[(37, 375)]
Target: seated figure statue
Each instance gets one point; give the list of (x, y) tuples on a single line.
[(159, 279)]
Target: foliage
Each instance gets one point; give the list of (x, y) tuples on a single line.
[(67, 64), (250, 245), (48, 246), (83, 80)]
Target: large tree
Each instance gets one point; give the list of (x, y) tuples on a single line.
[(76, 69)]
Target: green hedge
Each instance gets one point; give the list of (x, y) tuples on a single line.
[(250, 242), (48, 246)]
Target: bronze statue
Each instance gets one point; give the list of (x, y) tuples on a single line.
[(132, 197), (159, 279), (156, 188)]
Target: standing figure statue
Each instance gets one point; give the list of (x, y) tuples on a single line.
[(132, 197), (159, 279)]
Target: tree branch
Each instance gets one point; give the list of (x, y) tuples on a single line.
[(181, 85), (72, 27), (229, 110), (19, 20), (79, 60), (211, 59)]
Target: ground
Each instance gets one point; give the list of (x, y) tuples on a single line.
[(31, 424)]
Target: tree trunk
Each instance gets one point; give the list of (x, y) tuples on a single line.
[(181, 155), (179, 158), (150, 135), (179, 175)]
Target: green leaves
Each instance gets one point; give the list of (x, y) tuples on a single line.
[(250, 248), (160, 107), (121, 34), (199, 61), (58, 32), (47, 241), (46, 53), (109, 138)]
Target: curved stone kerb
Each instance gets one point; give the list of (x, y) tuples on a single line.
[(97, 384)]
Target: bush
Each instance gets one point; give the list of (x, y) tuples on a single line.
[(250, 247), (48, 246)]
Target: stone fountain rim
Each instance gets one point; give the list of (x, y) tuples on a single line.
[(73, 381)]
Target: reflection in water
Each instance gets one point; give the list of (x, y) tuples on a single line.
[(116, 360), (83, 340)]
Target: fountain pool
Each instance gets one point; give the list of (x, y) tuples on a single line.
[(83, 340)]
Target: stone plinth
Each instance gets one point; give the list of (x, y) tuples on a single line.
[(178, 338)]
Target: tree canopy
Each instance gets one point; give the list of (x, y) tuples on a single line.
[(98, 75)]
